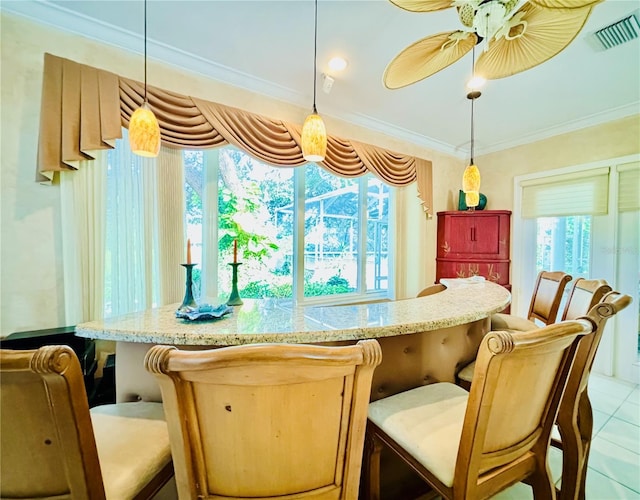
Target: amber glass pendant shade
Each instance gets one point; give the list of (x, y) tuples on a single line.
[(471, 179), (314, 138), (144, 132), (472, 198)]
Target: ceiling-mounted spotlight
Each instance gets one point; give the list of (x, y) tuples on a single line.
[(337, 63)]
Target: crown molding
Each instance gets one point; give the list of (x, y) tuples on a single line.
[(57, 16), (595, 119), (63, 19), (68, 21)]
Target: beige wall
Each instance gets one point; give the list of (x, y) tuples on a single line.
[(610, 140), (31, 294)]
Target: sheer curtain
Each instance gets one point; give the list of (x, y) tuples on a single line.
[(131, 231), (83, 207), (144, 230), (123, 233)]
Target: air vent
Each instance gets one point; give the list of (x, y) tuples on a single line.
[(619, 32)]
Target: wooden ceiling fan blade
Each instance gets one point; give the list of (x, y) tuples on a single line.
[(426, 57), (423, 5), (532, 36), (564, 4)]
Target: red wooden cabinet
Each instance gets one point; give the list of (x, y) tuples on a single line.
[(474, 244)]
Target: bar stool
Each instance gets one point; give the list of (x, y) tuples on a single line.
[(53, 446)]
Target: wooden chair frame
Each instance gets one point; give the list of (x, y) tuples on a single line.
[(431, 290), (544, 307), (583, 295), (575, 416), (293, 416), (48, 444), (501, 442)]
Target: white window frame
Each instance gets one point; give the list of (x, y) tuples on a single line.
[(614, 357), (210, 238)]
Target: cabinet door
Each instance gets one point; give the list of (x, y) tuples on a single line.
[(473, 236), (486, 235), (459, 237)]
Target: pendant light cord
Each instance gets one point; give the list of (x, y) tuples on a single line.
[(145, 51), (315, 57), (473, 98)]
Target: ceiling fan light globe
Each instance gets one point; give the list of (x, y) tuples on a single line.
[(476, 82)]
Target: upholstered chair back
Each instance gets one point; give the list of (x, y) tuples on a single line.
[(53, 446), (547, 296), (583, 295), (267, 420)]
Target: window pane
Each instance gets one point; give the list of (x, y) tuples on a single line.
[(564, 244), (377, 235), (193, 192), (255, 207), (330, 233)]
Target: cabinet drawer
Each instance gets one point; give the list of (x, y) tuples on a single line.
[(496, 271)]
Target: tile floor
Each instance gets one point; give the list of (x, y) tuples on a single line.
[(614, 461)]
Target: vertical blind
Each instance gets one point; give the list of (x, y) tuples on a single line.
[(629, 187), (578, 193)]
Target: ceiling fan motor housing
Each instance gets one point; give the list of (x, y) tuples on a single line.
[(491, 15)]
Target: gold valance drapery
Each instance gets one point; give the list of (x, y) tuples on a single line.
[(83, 109)]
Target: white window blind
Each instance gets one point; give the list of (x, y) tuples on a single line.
[(578, 193), (629, 187)]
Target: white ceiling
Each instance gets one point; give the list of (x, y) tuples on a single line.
[(267, 46)]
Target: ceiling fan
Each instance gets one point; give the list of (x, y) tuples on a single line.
[(515, 39)]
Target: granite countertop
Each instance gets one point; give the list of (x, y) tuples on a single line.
[(278, 320)]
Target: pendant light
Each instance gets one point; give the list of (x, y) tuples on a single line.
[(314, 133), (471, 175), (144, 131)]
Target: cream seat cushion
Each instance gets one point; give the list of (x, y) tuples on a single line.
[(427, 423), (133, 445), (466, 373)]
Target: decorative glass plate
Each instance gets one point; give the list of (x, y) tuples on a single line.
[(203, 312)]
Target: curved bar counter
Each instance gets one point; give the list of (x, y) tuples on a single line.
[(424, 340)]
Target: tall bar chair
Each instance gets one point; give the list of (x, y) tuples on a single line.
[(544, 305), (575, 416), (53, 446), (583, 295), (475, 444), (431, 290), (267, 420)]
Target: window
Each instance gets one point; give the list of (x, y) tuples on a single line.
[(563, 243), (584, 220), (302, 233)]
